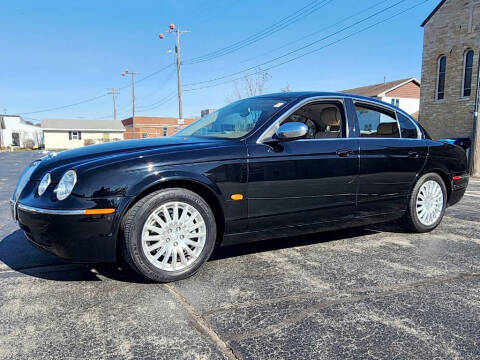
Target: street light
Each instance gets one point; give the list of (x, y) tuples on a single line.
[(177, 32)]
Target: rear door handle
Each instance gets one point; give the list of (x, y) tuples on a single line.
[(344, 152), (413, 154)]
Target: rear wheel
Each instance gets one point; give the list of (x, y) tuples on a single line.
[(426, 205), (168, 235)]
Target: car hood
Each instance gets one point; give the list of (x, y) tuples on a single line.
[(89, 153)]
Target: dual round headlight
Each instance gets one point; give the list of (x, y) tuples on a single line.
[(44, 183), (64, 187), (66, 184)]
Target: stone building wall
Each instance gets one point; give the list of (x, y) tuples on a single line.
[(451, 31)]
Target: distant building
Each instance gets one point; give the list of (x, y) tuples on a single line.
[(403, 93), (152, 126), (451, 47), (206, 112), (73, 133), (16, 132)]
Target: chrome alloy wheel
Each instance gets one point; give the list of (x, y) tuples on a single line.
[(173, 236), (429, 202)]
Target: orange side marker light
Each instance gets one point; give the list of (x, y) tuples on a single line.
[(98, 211), (236, 197)]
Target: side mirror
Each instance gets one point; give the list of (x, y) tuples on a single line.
[(291, 131)]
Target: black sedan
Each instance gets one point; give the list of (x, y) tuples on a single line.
[(264, 167)]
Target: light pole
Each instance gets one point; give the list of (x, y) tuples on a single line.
[(178, 32)]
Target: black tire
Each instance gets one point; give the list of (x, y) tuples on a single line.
[(410, 221), (132, 227)]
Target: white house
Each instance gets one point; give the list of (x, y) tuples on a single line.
[(403, 93), (73, 133), (16, 132)]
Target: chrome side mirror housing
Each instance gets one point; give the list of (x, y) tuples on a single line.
[(291, 131)]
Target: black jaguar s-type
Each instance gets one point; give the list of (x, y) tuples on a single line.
[(264, 167)]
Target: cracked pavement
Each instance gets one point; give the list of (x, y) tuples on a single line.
[(369, 292)]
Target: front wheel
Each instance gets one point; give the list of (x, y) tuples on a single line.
[(168, 235), (427, 204)]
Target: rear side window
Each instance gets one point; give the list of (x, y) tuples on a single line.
[(407, 127), (376, 123)]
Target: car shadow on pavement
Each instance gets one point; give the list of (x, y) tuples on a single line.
[(20, 256)]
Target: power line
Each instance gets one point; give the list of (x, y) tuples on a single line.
[(270, 30), (296, 50), (312, 33), (317, 49), (95, 97), (159, 103), (65, 106)]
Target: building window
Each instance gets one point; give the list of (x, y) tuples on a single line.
[(165, 131), (441, 70), (75, 135), (395, 102), (467, 73)]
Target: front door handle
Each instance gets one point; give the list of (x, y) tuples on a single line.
[(413, 154), (344, 152)]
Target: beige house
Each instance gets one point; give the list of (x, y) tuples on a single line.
[(72, 133), (403, 93), (451, 48)]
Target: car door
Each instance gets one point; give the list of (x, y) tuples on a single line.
[(391, 156), (304, 181)]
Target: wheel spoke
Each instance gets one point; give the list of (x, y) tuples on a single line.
[(174, 257), (160, 253), (183, 259), (154, 229), (189, 251), (155, 246), (159, 220)]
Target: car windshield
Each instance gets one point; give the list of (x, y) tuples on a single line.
[(235, 120)]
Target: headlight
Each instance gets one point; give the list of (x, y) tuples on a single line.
[(66, 184), (44, 184)]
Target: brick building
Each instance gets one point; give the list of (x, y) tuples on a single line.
[(152, 126), (451, 48)]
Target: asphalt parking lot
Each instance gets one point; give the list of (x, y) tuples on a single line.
[(371, 292)]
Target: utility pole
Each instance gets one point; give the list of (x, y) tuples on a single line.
[(132, 73), (114, 92), (178, 32)]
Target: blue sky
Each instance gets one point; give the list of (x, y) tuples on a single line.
[(56, 53)]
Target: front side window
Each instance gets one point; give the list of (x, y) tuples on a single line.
[(467, 73), (441, 71), (407, 127), (323, 119), (235, 120), (376, 123)]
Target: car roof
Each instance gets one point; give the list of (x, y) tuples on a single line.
[(306, 94)]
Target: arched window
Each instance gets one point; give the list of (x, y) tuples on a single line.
[(467, 73), (441, 70)]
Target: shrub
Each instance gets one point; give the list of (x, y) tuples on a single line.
[(87, 142)]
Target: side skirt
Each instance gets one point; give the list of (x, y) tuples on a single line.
[(289, 231)]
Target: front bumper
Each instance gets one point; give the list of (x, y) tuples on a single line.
[(69, 234)]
